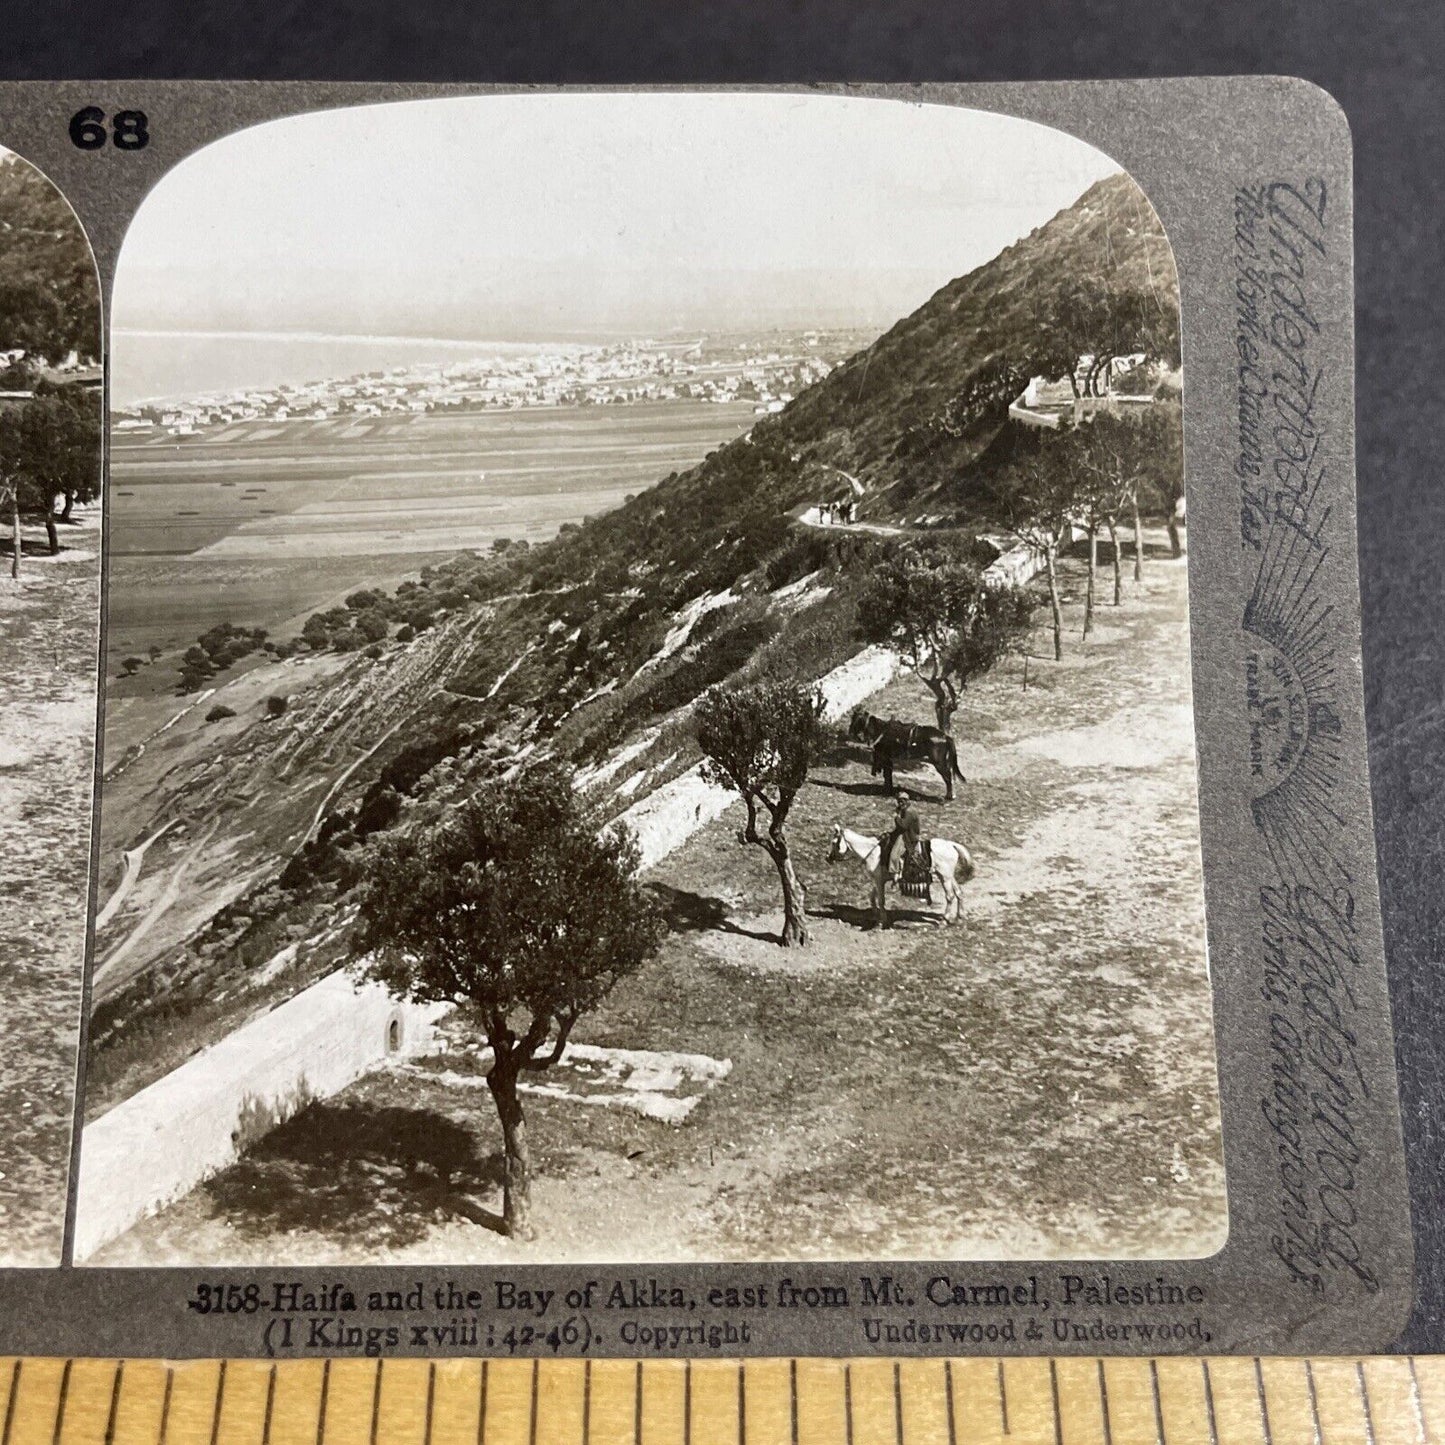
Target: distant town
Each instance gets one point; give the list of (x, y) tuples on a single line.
[(767, 370)]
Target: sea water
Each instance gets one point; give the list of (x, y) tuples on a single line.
[(148, 366)]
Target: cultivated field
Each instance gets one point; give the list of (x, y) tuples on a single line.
[(169, 601), (49, 621), (261, 523), (1037, 1081), (359, 484)]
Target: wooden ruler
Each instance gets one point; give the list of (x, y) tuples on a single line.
[(1376, 1401)]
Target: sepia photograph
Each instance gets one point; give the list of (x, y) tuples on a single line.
[(50, 482), (648, 694)]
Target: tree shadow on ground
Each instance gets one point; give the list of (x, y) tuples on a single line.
[(842, 751), (29, 547), (921, 786), (692, 913), (381, 1174), (864, 918), (871, 789), (1156, 551)]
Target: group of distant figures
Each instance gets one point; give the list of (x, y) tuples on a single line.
[(834, 514)]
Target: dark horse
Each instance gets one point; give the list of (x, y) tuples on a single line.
[(895, 742)]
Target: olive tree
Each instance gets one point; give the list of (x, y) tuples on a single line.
[(1032, 497), (50, 446), (49, 313), (512, 903), (1127, 465), (761, 740), (1100, 453), (1096, 497), (1084, 327), (946, 620)]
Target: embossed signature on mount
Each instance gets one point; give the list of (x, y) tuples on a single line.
[(1318, 1082), (1295, 760)]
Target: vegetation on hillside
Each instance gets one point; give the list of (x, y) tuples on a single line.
[(761, 741), (50, 438), (914, 417), (634, 626), (49, 293), (513, 904)]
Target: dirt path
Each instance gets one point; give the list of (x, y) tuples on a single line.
[(132, 860), (49, 621), (1039, 1080), (340, 782), (106, 977), (813, 518)]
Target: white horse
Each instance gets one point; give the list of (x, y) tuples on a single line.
[(952, 866)]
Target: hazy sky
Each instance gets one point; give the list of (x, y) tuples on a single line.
[(545, 214)]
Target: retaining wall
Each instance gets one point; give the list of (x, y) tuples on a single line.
[(668, 817), (159, 1144), (1018, 565)]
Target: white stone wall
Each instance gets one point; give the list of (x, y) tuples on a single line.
[(1018, 565), (668, 817), (160, 1143)]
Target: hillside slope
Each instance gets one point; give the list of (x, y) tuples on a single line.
[(913, 408), (592, 647)]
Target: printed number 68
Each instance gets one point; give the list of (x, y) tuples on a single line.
[(128, 129)]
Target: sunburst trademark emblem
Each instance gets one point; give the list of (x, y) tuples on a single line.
[(1294, 727)]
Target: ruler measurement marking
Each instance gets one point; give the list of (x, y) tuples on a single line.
[(793, 1399), (1104, 1404), (1418, 1401), (1209, 1404), (86, 1407), (10, 1403), (1365, 1401), (166, 1404), (115, 1402), (482, 1406), (270, 1406), (60, 1402), (220, 1400), (1314, 1403), (1263, 1403), (321, 1409)]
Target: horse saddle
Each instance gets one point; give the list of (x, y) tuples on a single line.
[(917, 870), (911, 868)]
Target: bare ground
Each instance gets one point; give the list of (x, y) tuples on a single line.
[(49, 621), (1036, 1081)]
